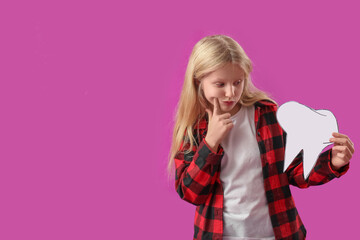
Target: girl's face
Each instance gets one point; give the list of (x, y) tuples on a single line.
[(226, 84)]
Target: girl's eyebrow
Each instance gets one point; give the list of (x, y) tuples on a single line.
[(220, 79)]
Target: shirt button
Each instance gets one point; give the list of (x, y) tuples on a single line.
[(258, 133), (217, 212)]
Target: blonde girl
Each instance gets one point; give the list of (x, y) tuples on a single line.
[(228, 151)]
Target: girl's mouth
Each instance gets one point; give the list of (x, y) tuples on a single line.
[(228, 103)]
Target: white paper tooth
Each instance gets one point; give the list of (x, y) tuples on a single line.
[(308, 130)]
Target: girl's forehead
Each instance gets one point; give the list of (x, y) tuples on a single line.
[(227, 73)]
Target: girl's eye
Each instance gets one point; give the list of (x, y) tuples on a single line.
[(222, 84), (237, 82)]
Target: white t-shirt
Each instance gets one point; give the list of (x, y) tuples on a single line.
[(246, 214)]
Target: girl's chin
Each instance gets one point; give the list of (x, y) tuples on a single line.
[(233, 108), (227, 108)]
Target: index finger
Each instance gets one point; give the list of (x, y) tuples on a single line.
[(344, 142), (216, 107), (336, 134)]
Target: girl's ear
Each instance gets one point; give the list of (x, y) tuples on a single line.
[(197, 82)]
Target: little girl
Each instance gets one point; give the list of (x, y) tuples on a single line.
[(228, 150)]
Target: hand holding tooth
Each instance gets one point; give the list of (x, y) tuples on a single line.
[(342, 151), (219, 125)]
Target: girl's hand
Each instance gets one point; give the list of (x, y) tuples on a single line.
[(342, 151), (219, 126)]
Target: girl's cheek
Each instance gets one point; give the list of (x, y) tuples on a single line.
[(211, 99), (216, 94), (211, 94)]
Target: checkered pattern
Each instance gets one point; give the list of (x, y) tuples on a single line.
[(198, 178)]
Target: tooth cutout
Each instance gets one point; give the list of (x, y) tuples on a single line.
[(308, 130)]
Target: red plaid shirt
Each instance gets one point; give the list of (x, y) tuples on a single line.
[(198, 178)]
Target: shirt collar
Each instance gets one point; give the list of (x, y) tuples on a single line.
[(264, 102)]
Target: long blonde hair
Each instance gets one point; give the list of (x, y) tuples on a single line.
[(209, 54)]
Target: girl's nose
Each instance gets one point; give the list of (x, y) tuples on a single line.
[(230, 91)]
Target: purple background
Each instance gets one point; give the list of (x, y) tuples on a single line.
[(87, 96)]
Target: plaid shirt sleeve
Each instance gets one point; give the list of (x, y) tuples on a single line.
[(320, 174), (195, 172)]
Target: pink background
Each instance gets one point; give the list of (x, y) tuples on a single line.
[(87, 96)]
